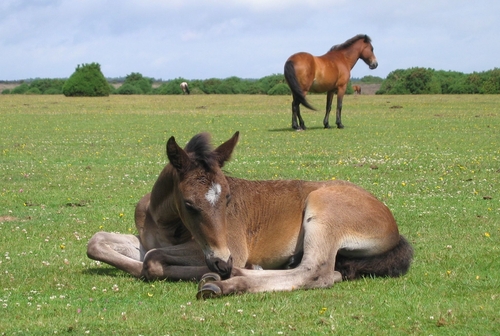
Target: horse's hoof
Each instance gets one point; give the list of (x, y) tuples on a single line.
[(208, 278), (340, 126), (209, 291)]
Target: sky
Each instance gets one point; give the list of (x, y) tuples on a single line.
[(200, 39)]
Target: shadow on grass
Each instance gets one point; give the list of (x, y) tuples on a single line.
[(291, 130), (108, 271)]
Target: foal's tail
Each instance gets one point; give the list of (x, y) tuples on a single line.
[(393, 263), (293, 83)]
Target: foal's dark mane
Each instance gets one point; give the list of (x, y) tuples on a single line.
[(201, 151), (351, 41)]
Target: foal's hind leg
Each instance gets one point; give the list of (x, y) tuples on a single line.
[(119, 250)]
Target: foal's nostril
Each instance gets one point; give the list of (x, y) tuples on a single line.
[(220, 266)]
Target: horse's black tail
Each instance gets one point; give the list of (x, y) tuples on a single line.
[(393, 263), (294, 85), (187, 90)]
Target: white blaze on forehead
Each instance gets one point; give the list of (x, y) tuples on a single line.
[(213, 194)]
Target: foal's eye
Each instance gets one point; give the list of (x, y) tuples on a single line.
[(228, 199), (191, 207)]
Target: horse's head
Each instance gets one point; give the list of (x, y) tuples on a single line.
[(202, 195), (367, 54)]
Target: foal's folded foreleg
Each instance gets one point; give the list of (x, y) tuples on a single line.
[(177, 262), (252, 281)]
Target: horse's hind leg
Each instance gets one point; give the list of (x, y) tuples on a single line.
[(118, 250), (329, 98), (338, 121), (296, 115)]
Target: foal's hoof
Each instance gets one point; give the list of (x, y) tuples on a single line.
[(340, 126), (208, 278), (206, 287), (209, 291)]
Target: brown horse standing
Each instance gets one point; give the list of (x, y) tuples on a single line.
[(328, 73), (254, 235), (357, 89)]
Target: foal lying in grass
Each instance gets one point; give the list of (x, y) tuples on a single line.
[(237, 236)]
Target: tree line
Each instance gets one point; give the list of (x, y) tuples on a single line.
[(88, 80), (430, 81)]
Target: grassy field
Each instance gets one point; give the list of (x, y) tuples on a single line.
[(73, 166)]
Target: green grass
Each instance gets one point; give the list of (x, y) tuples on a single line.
[(70, 167)]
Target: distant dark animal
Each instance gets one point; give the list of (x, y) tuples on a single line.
[(357, 89), (328, 73), (237, 235), (185, 88)]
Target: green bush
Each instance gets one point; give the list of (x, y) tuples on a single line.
[(87, 81), (430, 81), (46, 84), (143, 84), (128, 89), (21, 89), (112, 89), (211, 85), (196, 90), (52, 91), (268, 82), (371, 80), (491, 82), (279, 89), (254, 88), (34, 91), (349, 89), (6, 91)]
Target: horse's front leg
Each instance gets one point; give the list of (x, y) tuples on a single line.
[(340, 96), (329, 98), (178, 262)]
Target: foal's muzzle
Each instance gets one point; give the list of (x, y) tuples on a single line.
[(220, 266), (373, 65)]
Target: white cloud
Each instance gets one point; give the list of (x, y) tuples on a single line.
[(244, 38)]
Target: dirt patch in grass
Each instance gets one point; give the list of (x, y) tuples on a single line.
[(7, 219)]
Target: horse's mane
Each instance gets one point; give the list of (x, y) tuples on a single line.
[(351, 41), (201, 151)]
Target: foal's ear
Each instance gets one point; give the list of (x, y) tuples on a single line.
[(176, 155), (225, 150)]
